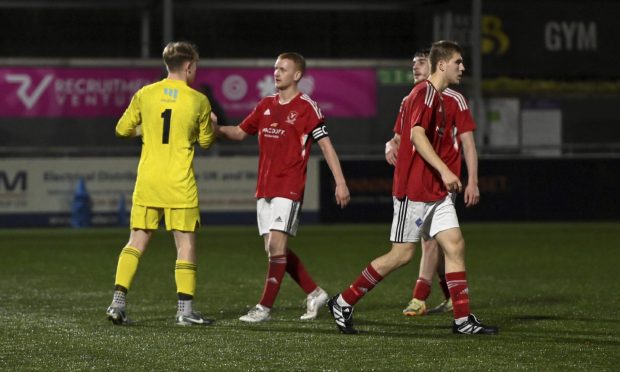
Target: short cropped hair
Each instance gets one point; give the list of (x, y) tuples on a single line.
[(442, 51), (176, 53), (298, 60), (422, 53)]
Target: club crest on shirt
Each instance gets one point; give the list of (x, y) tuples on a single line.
[(292, 116)]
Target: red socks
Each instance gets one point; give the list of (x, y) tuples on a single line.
[(278, 266), (422, 289), (367, 280), (295, 268), (275, 274), (459, 292)]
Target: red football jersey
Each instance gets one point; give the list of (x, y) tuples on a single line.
[(444, 117), (285, 134)]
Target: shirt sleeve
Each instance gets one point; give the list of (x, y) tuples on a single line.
[(131, 118), (464, 121), (398, 124), (206, 136), (419, 112), (251, 122)]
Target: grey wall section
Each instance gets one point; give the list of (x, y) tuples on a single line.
[(511, 190)]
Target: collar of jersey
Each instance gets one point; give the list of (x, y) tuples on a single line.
[(175, 81)]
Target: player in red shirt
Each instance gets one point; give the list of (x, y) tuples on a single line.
[(423, 190), (286, 124), (431, 261)]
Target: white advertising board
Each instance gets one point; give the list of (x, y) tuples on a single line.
[(503, 121), (542, 131), (45, 186)]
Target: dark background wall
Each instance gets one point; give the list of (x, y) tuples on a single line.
[(548, 42), (239, 29), (527, 39), (511, 190)]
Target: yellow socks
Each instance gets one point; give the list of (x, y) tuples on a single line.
[(127, 266), (185, 277)]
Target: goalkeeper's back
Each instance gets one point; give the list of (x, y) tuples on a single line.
[(172, 117)]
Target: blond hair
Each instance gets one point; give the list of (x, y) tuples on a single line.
[(176, 53), (298, 60)]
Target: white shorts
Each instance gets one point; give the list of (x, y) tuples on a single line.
[(413, 220), (279, 214)]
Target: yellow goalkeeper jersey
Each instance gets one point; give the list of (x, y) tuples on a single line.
[(173, 117)]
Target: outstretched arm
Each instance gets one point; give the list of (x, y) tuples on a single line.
[(425, 149), (233, 133), (329, 153), (472, 193)]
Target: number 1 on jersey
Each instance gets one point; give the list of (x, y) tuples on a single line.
[(166, 115)]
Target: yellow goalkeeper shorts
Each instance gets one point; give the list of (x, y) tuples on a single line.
[(181, 219)]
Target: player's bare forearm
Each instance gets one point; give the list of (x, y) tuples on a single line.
[(233, 133), (471, 156), (329, 153), (426, 151), (472, 193)]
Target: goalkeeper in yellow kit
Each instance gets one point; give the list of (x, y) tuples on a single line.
[(171, 117)]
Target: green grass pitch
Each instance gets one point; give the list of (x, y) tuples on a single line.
[(551, 288)]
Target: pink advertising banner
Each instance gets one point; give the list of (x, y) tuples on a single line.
[(105, 92)]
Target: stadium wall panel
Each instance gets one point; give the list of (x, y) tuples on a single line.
[(42, 191), (552, 189)]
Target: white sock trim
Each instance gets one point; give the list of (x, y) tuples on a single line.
[(340, 301), (460, 321)]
